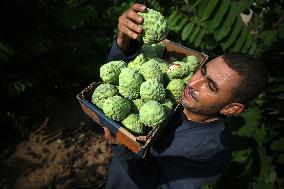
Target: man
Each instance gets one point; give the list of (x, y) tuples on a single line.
[(195, 148)]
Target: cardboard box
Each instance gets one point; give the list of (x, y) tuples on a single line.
[(138, 144)]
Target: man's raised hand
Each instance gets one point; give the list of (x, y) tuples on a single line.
[(129, 26)]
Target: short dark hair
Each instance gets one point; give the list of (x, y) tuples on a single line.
[(252, 73)]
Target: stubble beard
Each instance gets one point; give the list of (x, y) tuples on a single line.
[(202, 109)]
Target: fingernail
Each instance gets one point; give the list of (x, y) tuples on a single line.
[(139, 29), (143, 7), (140, 19)]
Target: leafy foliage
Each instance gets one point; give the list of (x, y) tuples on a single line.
[(256, 28), (53, 48)]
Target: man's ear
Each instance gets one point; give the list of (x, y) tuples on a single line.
[(232, 108)]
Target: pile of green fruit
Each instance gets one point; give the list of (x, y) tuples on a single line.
[(142, 94)]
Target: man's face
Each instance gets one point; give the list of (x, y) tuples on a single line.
[(210, 88)]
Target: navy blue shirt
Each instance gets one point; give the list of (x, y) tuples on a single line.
[(186, 155)]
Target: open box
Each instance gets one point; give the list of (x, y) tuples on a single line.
[(138, 144)]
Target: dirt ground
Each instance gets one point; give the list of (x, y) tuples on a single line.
[(68, 150)]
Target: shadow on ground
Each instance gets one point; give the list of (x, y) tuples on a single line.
[(68, 150)]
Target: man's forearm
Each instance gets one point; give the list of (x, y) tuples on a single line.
[(117, 54)]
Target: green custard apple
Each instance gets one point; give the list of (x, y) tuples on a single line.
[(102, 92), (192, 61), (137, 103), (155, 27), (110, 71), (117, 107), (133, 123), (130, 81), (137, 62), (152, 113), (151, 70), (174, 90), (168, 106), (178, 70), (152, 90)]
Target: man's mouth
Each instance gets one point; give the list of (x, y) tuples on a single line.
[(190, 94)]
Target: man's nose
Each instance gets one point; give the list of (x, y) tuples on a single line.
[(196, 82)]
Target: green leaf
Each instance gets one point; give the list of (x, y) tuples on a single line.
[(280, 159), (275, 112), (6, 52), (242, 5), (278, 145), (187, 31), (197, 2), (227, 25), (174, 21), (181, 23), (268, 37), (209, 8), (217, 19), (247, 44), (281, 96), (172, 16), (201, 8), (199, 37), (261, 135), (261, 184), (241, 156), (233, 36), (240, 42), (194, 33), (252, 49), (281, 31), (252, 117), (265, 163)]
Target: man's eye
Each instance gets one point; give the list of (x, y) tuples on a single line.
[(212, 86), (202, 70)]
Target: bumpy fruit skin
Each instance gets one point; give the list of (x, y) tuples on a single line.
[(102, 92), (168, 106), (187, 78), (129, 83), (117, 107), (133, 123), (155, 27), (162, 64), (137, 104), (192, 61), (152, 113), (174, 90), (178, 70), (110, 71), (152, 90), (137, 62), (153, 50), (151, 70)]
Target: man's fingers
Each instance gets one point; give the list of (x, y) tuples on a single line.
[(138, 7), (132, 15), (108, 134), (130, 33), (132, 26), (110, 138), (129, 26)]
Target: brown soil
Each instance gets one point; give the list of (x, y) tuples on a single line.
[(67, 151)]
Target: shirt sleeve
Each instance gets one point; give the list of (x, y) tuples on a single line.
[(185, 173), (117, 54), (162, 172)]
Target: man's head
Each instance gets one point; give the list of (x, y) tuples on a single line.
[(224, 85)]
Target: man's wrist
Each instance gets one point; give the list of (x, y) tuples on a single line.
[(123, 43)]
